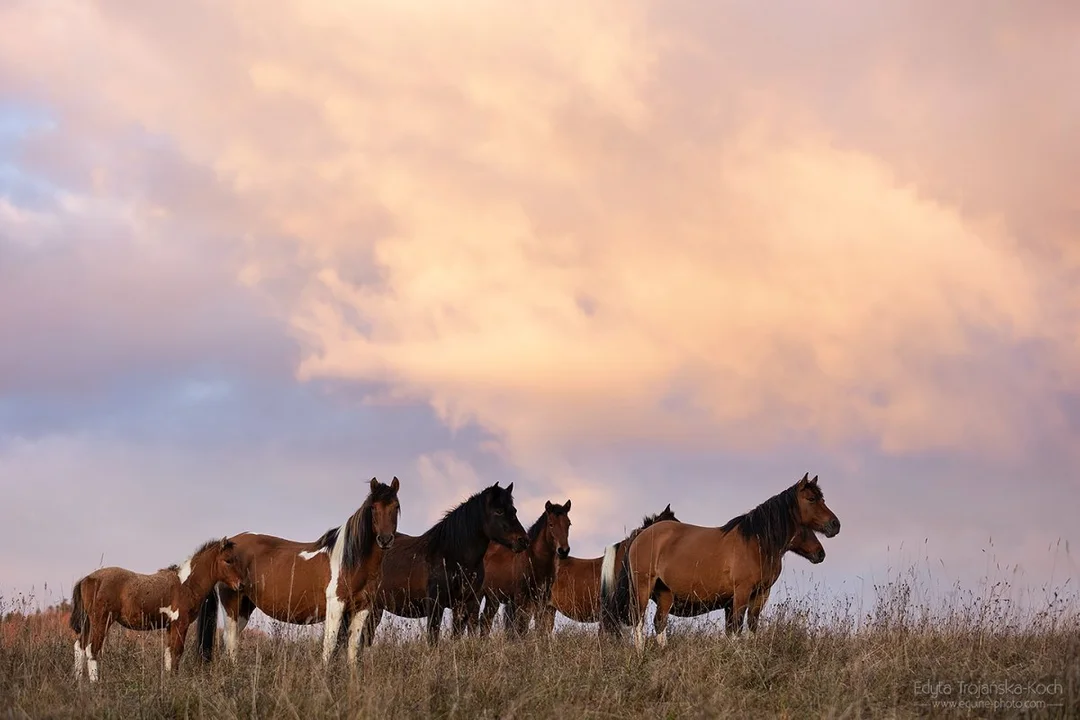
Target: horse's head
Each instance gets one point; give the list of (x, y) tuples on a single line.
[(385, 509), (806, 544), (813, 512), (225, 566), (558, 527), (501, 522)]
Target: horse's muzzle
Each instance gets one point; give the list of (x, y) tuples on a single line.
[(385, 542), (831, 529), (817, 557), (563, 552), (520, 544)]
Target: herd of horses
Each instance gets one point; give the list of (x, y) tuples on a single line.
[(475, 559)]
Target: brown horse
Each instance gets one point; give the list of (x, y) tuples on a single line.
[(705, 568), (331, 580), (523, 580), (169, 598), (577, 587), (444, 568)]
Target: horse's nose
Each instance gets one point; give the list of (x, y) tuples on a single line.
[(520, 544), (833, 528), (818, 557), (385, 541), (563, 552)]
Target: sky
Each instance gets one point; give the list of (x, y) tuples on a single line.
[(628, 253)]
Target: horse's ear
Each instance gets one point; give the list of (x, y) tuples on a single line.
[(395, 484), (814, 481), (805, 479), (225, 544), (668, 508), (548, 506), (509, 488), (566, 507), (374, 484)]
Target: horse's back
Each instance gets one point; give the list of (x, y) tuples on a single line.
[(576, 590)]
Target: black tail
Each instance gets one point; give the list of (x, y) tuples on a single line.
[(208, 625), (608, 580), (620, 601), (78, 618)]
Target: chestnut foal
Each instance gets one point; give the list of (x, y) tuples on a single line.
[(169, 598)]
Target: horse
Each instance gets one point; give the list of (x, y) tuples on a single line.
[(444, 568), (522, 581), (168, 599), (578, 581), (330, 580), (705, 567)]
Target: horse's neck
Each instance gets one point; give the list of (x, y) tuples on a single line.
[(542, 555), (199, 583)]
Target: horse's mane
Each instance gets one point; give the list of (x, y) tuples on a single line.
[(665, 514), (772, 522), (539, 525), (457, 528), (359, 530), (205, 546)]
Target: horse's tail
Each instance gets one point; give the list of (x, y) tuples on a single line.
[(621, 595), (78, 618), (608, 579), (208, 613)]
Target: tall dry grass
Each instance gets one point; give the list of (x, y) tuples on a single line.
[(813, 658)]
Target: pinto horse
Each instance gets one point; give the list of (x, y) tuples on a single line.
[(169, 598), (444, 568), (331, 580), (703, 568), (522, 581), (578, 581)]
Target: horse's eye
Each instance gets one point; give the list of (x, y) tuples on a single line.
[(498, 512)]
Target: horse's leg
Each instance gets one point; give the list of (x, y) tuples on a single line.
[(357, 624), (660, 620), (174, 648), (100, 623), (235, 618), (459, 618), (522, 615), (739, 602), (510, 614), (487, 615), (335, 616), (545, 620), (642, 590), (757, 603), (371, 625), (434, 623)]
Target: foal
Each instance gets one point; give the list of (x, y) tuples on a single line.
[(701, 567), (444, 568), (577, 587), (331, 580), (167, 599), (523, 580)]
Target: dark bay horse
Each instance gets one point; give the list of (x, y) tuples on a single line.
[(577, 587), (444, 568), (331, 580), (706, 567), (522, 581), (169, 598)]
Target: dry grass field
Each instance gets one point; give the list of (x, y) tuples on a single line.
[(977, 657)]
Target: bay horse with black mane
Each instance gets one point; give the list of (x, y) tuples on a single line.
[(169, 599), (578, 581), (331, 580), (444, 568), (706, 568), (522, 581)]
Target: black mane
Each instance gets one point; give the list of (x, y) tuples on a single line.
[(460, 527), (541, 522), (773, 522), (360, 528)]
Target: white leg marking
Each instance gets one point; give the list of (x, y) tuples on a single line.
[(639, 636), (335, 608), (91, 665), (607, 572), (170, 612), (232, 636), (661, 639), (168, 659), (80, 658), (356, 629)]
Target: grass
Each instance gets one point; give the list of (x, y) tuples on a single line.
[(810, 659)]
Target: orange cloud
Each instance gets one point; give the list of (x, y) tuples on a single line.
[(571, 233)]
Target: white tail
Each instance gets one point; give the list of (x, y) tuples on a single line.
[(607, 572)]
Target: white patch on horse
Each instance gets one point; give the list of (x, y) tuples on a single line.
[(356, 629), (80, 658), (309, 554), (185, 570), (170, 612), (91, 664), (168, 659), (639, 636), (335, 608), (661, 639)]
